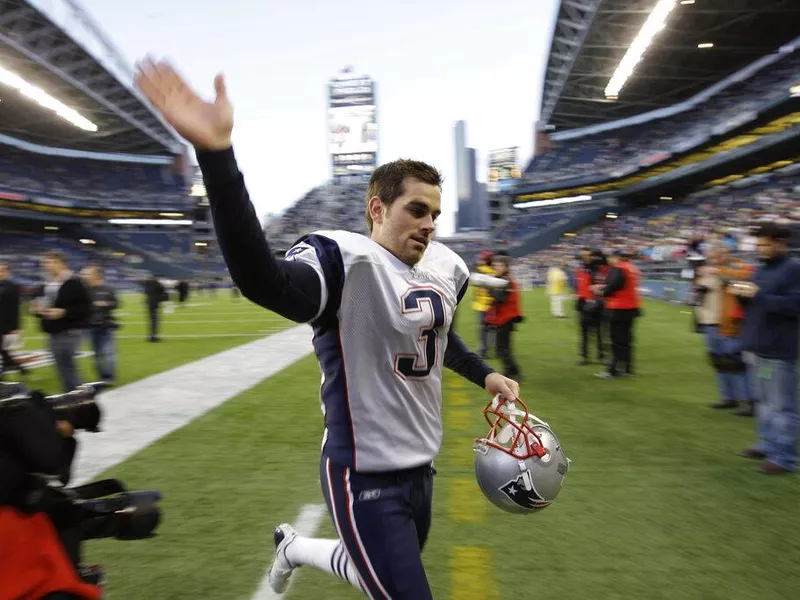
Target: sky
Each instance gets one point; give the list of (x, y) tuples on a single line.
[(434, 62)]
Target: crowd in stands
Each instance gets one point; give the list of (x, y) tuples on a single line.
[(665, 234), (88, 182), (22, 250), (622, 150)]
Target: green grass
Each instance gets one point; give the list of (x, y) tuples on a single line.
[(656, 505)]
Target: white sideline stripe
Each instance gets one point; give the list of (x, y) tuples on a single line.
[(138, 414), (168, 336), (175, 321), (307, 522)]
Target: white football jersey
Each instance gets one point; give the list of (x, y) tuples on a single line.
[(380, 338)]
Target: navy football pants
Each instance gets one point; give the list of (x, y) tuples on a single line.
[(383, 521)]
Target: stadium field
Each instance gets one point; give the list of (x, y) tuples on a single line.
[(656, 504)]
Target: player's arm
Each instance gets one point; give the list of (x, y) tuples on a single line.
[(292, 291), (290, 288)]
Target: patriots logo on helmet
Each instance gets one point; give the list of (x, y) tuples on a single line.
[(516, 491)]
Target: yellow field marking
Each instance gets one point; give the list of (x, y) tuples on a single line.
[(465, 501), (471, 574), (457, 398)]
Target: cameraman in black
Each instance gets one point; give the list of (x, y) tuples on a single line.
[(34, 560), (43, 523)]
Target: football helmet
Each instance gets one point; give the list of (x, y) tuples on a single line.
[(519, 464)]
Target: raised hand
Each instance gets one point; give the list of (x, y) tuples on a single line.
[(205, 125)]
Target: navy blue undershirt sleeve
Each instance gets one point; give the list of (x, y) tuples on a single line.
[(291, 289)]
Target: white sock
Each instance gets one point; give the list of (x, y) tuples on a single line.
[(326, 555)]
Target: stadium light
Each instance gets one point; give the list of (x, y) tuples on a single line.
[(46, 100), (149, 222), (87, 241), (170, 214), (555, 202), (706, 45), (50, 228), (687, 1), (654, 23)]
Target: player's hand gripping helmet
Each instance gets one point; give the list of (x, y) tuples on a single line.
[(519, 464)]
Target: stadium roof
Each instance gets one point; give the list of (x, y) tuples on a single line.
[(592, 36), (36, 49)]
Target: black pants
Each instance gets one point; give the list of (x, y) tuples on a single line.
[(591, 323), (503, 346), (153, 321), (621, 331), (383, 520)]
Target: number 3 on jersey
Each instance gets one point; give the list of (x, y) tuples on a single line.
[(416, 300)]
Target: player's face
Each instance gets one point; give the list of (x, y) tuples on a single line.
[(408, 223)]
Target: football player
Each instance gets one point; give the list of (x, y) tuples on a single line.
[(381, 308)]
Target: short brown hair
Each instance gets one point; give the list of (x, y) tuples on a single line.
[(56, 255), (387, 181)]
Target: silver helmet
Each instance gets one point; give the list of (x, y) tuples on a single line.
[(519, 464)]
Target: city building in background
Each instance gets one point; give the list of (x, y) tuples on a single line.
[(473, 211), (352, 126)]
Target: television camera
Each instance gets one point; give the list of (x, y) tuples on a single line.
[(37, 448)]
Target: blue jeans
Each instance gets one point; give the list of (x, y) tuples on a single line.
[(104, 354), (774, 387), (733, 387), (64, 346)]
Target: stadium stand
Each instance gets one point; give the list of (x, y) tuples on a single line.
[(91, 183), (92, 153), (625, 148)]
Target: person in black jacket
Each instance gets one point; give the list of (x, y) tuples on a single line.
[(770, 337), (101, 322), (9, 319), (64, 312), (155, 293)]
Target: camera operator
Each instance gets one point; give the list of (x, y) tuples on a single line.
[(34, 561), (589, 306), (719, 318), (43, 523)]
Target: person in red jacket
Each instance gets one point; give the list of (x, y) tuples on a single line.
[(592, 271), (506, 311), (623, 306)]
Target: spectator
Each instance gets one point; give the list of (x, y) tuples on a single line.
[(770, 335), (64, 310)]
